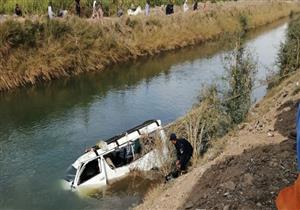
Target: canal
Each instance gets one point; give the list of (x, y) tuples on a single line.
[(44, 129)]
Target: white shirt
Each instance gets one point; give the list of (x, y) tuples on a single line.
[(50, 13), (185, 6), (147, 9)]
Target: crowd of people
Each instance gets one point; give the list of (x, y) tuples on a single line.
[(97, 10), (168, 9)]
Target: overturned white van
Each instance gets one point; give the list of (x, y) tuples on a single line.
[(116, 157)]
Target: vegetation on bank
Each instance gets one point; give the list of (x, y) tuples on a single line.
[(289, 55), (41, 50), (30, 7), (288, 59), (110, 7), (220, 109), (223, 107)]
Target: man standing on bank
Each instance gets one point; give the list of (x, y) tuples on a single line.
[(18, 11), (77, 7), (184, 151)]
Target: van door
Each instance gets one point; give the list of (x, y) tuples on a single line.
[(91, 174), (113, 173)]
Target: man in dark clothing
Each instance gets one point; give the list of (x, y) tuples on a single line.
[(18, 11), (184, 151), (169, 9), (77, 7), (195, 6)]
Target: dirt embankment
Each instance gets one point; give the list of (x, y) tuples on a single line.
[(36, 51), (245, 169)]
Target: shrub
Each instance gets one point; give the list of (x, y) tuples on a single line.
[(58, 29), (131, 22), (244, 22), (16, 34), (241, 69), (218, 111), (289, 55)]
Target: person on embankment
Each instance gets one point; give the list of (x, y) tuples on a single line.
[(289, 197), (18, 11), (184, 152), (169, 9), (94, 13), (147, 8), (195, 5), (185, 6), (50, 11), (77, 7)]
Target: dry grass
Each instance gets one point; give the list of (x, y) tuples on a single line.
[(165, 154), (154, 193), (220, 108), (37, 51), (204, 123)]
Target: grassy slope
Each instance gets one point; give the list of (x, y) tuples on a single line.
[(39, 51)]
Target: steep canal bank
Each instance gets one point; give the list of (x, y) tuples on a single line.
[(63, 48), (43, 129)]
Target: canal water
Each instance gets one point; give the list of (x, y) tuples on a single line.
[(44, 129)]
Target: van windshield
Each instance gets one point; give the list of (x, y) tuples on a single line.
[(70, 173)]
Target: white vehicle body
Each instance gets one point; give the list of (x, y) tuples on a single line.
[(108, 162)]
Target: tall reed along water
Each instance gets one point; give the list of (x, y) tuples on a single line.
[(44, 129)]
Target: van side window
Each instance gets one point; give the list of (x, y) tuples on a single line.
[(120, 157), (91, 169), (137, 147)]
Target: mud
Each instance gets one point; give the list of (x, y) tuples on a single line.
[(251, 180), (287, 115)]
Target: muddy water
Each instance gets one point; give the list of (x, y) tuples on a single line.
[(43, 129)]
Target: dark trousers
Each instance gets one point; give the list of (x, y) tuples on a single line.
[(78, 10), (184, 161)]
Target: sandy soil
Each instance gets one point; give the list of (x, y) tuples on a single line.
[(248, 170)]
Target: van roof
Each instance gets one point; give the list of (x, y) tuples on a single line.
[(136, 128), (114, 141)]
